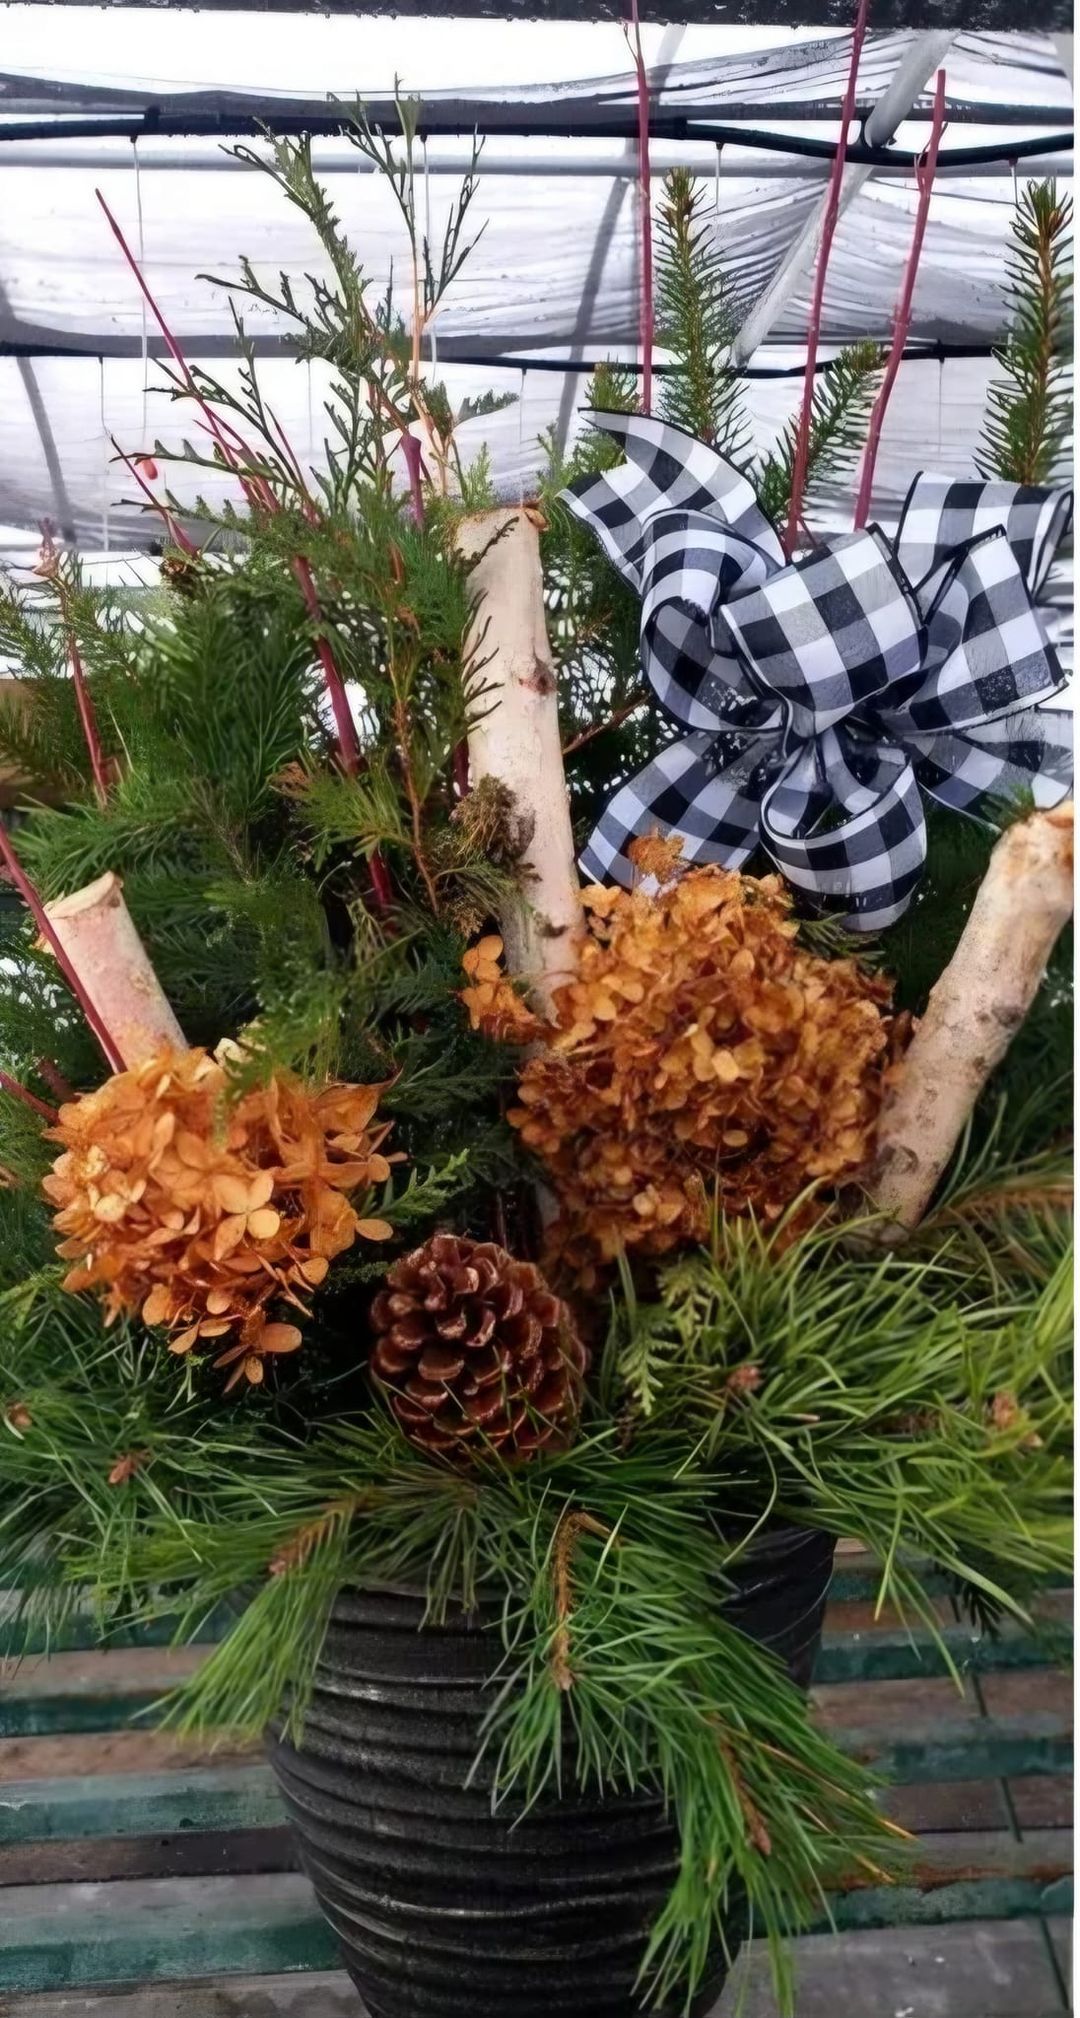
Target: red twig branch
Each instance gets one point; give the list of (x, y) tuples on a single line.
[(924, 176), (828, 232), (48, 569), (89, 721), (176, 532), (37, 909), (600, 728), (54, 1079), (18, 1092), (259, 494), (648, 311), (414, 455)]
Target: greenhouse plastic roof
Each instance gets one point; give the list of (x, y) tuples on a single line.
[(553, 282)]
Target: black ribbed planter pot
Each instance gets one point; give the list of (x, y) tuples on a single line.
[(444, 1910)]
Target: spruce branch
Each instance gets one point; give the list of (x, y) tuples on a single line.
[(697, 323), (839, 412), (1029, 417)]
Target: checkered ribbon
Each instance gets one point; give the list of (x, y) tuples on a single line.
[(823, 696)]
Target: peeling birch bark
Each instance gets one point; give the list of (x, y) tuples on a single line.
[(974, 1011), (517, 742), (96, 931)]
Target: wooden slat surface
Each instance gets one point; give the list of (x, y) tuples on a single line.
[(127, 1852), (980, 1970), (59, 1937), (67, 1935)]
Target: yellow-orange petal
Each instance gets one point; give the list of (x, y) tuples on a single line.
[(280, 1338), (184, 1340), (263, 1223), (157, 1308), (228, 1234), (374, 1229), (260, 1190), (231, 1192)]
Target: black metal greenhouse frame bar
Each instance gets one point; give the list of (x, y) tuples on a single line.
[(884, 14), (445, 121)]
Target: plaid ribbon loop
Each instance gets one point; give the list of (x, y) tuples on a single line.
[(824, 695)]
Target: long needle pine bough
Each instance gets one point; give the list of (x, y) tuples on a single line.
[(320, 887)]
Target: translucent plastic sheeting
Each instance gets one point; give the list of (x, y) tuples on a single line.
[(555, 275)]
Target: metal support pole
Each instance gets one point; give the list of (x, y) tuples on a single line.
[(925, 55)]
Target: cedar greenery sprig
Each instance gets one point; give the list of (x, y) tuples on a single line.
[(1029, 418)]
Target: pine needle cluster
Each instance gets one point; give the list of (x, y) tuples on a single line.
[(1029, 418), (697, 322)]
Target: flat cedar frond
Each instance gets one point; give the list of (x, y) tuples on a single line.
[(843, 397), (697, 322), (1029, 416)]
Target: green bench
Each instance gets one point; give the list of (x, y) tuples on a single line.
[(143, 1876)]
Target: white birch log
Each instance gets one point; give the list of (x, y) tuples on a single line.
[(517, 741), (974, 1011), (96, 931)]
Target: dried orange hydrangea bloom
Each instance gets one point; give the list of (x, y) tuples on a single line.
[(700, 1054), (203, 1215), (493, 1005)]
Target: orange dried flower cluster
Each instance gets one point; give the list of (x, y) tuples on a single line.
[(700, 1054), (493, 1005), (201, 1215)]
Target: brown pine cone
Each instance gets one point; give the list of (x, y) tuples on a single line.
[(474, 1352)]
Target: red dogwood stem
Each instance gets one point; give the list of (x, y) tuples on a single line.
[(648, 311), (48, 932), (828, 232), (18, 1092), (48, 569), (89, 721), (171, 343), (54, 1079), (924, 175), (176, 532), (413, 454), (257, 491)]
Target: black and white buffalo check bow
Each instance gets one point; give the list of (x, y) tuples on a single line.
[(823, 695)]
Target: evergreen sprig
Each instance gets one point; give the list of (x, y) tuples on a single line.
[(839, 413), (1029, 417), (898, 1399), (697, 322)]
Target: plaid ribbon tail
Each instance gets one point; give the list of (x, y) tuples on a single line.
[(710, 796), (869, 864), (1029, 752), (986, 654)]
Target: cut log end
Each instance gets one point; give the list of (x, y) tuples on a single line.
[(105, 892), (98, 935)]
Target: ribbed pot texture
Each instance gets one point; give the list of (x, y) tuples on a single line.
[(444, 1910)]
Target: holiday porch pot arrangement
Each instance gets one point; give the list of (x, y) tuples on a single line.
[(503, 1281)]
